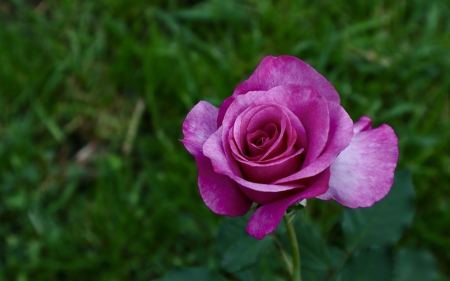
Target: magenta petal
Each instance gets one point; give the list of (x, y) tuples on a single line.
[(264, 198), (311, 109), (364, 123), (220, 193), (260, 141), (255, 118), (199, 125), (364, 172), (339, 137), (223, 109), (268, 173), (266, 218), (214, 150), (237, 107), (276, 71)]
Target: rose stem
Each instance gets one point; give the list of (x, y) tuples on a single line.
[(295, 251)]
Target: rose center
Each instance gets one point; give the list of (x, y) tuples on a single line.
[(261, 137), (261, 141)]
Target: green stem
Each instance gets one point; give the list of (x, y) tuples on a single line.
[(295, 251)]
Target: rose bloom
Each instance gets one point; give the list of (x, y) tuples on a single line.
[(283, 137)]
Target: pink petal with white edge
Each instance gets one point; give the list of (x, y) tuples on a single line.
[(364, 172), (266, 218), (221, 194)]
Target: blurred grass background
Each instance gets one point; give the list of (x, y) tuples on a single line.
[(94, 182)]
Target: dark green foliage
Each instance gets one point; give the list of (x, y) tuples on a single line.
[(75, 204), (243, 256), (183, 274), (415, 265), (369, 255), (244, 253), (373, 264)]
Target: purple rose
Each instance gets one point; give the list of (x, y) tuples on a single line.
[(283, 137)]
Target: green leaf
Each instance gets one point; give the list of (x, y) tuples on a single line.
[(230, 231), (309, 274), (250, 274), (374, 264), (384, 222), (415, 265), (233, 242), (198, 274), (265, 269), (314, 252), (317, 262), (245, 253)]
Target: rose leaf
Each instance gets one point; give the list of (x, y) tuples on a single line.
[(373, 264), (384, 222), (184, 273), (415, 265)]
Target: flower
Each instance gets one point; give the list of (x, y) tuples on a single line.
[(283, 137)]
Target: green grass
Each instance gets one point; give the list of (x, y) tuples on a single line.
[(72, 72)]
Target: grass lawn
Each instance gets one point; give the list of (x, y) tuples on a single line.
[(94, 184)]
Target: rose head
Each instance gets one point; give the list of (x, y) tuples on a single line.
[(283, 137)]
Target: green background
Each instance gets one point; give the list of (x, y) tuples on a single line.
[(94, 184)]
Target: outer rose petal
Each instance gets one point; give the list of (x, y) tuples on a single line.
[(223, 109), (364, 123), (266, 218), (221, 194), (277, 71), (199, 125), (364, 172)]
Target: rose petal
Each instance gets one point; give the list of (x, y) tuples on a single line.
[(260, 159), (310, 108), (364, 172), (340, 135), (237, 107), (292, 132), (364, 123), (268, 173), (223, 109), (264, 198), (266, 218), (236, 139), (276, 71), (198, 126), (214, 150), (254, 118), (221, 194), (270, 134)]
